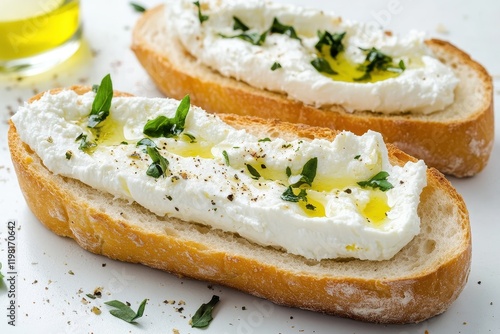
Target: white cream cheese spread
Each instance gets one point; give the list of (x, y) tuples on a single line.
[(218, 34), (313, 198)]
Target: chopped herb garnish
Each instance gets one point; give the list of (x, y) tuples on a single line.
[(138, 8), (376, 60), (275, 66), (68, 154), (146, 142), (308, 173), (290, 196), (253, 172), (264, 139), (357, 157), (226, 157), (280, 28), (239, 25), (124, 312), (102, 102), (288, 171), (252, 37), (332, 41), (203, 316), (166, 127), (85, 146), (201, 17), (192, 139), (322, 66), (378, 181), (310, 207), (91, 296), (159, 165), (123, 143)]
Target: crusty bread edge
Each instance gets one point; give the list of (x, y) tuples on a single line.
[(96, 232), (458, 147)]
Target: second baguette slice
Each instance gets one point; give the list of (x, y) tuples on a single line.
[(457, 141)]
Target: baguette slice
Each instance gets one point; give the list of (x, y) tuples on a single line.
[(421, 281), (457, 141)]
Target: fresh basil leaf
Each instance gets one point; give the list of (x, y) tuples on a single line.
[(275, 66), (239, 25), (331, 41), (166, 127), (102, 102), (255, 174), (280, 28), (203, 316), (226, 157), (124, 312), (308, 173), (159, 165), (201, 17), (322, 66), (290, 196), (138, 8), (85, 146), (146, 142), (379, 180)]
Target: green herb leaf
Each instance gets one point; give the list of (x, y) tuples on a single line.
[(203, 316), (253, 172), (290, 196), (331, 41), (146, 142), (85, 146), (102, 102), (357, 157), (239, 25), (226, 157), (275, 66), (376, 60), (124, 312), (90, 296), (159, 165), (192, 139), (138, 8), (280, 28), (201, 17), (166, 127), (68, 155), (378, 181), (308, 173), (252, 37), (288, 171), (264, 139), (322, 66)]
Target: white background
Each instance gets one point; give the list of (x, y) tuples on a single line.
[(49, 298)]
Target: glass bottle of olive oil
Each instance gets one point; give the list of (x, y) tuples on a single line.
[(31, 28)]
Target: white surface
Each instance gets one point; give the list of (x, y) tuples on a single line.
[(50, 298)]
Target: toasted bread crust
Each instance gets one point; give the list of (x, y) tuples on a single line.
[(458, 146), (114, 228)]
